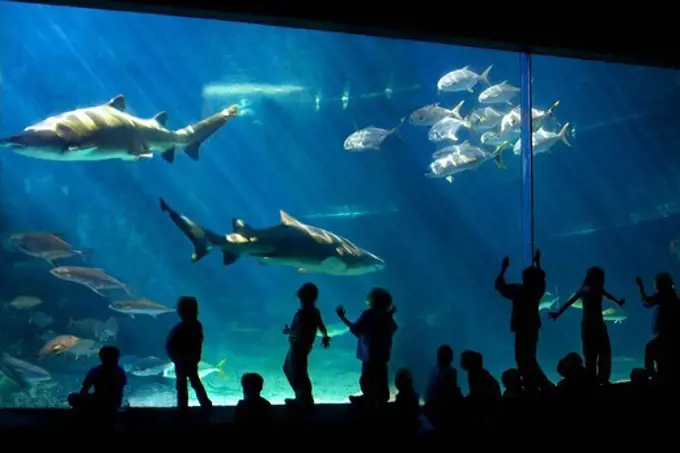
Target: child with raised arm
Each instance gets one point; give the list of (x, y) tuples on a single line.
[(525, 320), (301, 336), (594, 336), (374, 330), (665, 301)]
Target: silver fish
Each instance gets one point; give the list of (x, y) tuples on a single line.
[(446, 129), (433, 113), (94, 278), (502, 93), (370, 138)]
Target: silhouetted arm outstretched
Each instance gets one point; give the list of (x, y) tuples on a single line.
[(646, 300), (508, 291), (556, 314), (619, 302)]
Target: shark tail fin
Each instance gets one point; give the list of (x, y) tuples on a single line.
[(220, 368), (202, 239)]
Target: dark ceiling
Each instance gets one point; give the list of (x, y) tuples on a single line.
[(631, 35)]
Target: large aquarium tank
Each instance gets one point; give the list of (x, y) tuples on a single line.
[(146, 157)]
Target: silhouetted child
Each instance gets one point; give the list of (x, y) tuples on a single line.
[(573, 373), (639, 382), (301, 336), (253, 410), (512, 381), (665, 302), (481, 384), (594, 336), (407, 400), (442, 385), (374, 330), (108, 380), (525, 320), (184, 347)]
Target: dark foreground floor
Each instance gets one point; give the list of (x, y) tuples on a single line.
[(617, 417)]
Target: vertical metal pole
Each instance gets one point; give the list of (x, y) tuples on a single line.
[(527, 161)]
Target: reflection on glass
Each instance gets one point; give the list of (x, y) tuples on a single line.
[(606, 178), (283, 156)]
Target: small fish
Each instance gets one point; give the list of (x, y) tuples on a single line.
[(463, 79), (94, 278), (47, 335), (484, 119), (501, 93), (107, 330), (25, 302), (370, 138), (464, 157), (140, 307), (40, 319), (84, 347), (433, 113), (204, 369), (86, 327), (47, 246), (147, 366), (446, 129), (492, 138), (512, 122), (58, 345), (334, 330), (543, 141)]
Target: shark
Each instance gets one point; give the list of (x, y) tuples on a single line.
[(290, 243), (107, 132)]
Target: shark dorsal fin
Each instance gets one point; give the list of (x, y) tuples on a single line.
[(161, 118), (117, 103), (287, 219), (239, 226)]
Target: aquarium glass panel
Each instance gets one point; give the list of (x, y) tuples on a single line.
[(147, 157), (606, 184)]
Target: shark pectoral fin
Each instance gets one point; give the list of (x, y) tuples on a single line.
[(228, 258), (161, 118), (302, 271), (169, 155), (449, 179), (117, 103), (192, 150)]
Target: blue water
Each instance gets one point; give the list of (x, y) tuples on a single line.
[(610, 199)]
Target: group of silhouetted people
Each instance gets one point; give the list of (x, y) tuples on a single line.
[(374, 330)]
